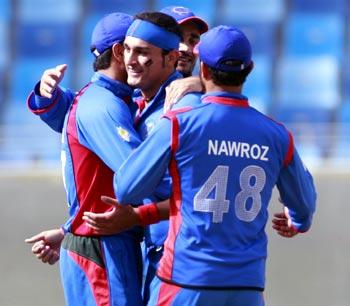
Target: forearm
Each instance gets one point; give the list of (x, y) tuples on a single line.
[(298, 193)]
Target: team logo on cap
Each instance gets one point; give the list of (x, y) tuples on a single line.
[(181, 10), (124, 134)]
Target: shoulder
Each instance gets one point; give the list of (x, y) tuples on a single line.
[(272, 122), (99, 102), (172, 114), (191, 99)]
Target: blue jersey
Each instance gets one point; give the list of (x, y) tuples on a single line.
[(224, 158), (52, 111), (97, 136), (146, 118)]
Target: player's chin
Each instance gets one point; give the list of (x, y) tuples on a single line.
[(134, 80), (184, 68)]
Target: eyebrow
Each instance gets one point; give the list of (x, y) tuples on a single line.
[(137, 48)]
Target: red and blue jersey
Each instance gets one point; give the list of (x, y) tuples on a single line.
[(146, 118), (97, 136), (224, 158)]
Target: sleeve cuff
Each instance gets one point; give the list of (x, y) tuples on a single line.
[(40, 105)]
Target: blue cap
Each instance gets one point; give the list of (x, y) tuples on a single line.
[(110, 30), (183, 14), (222, 44)]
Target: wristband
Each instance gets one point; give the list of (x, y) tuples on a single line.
[(148, 214)]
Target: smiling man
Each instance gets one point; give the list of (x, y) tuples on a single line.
[(151, 52), (192, 28)]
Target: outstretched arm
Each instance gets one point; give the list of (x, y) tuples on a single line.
[(124, 217), (51, 79), (49, 101)]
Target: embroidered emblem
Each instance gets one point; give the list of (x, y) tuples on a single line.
[(150, 125), (124, 134)]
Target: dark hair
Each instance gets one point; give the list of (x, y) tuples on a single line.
[(103, 61), (236, 78), (162, 20)]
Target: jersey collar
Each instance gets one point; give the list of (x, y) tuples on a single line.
[(233, 99), (118, 88), (159, 98)]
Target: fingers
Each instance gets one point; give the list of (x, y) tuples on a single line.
[(43, 253), (102, 224), (61, 68), (35, 238), (109, 200), (173, 94), (99, 218), (90, 221), (48, 256), (38, 247), (50, 80), (54, 259), (280, 215), (102, 229), (286, 234), (170, 98), (46, 90), (283, 229), (281, 222), (167, 104)]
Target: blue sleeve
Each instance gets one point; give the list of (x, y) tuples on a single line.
[(297, 192), (142, 172), (163, 190), (51, 111), (106, 128)]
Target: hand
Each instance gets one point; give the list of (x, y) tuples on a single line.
[(178, 88), (50, 80), (282, 223), (119, 219), (46, 245)]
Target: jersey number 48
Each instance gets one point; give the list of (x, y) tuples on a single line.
[(217, 183)]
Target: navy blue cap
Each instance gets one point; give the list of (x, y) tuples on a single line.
[(223, 44), (110, 30), (183, 14)]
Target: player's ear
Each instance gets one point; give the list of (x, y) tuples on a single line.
[(204, 71), (251, 67), (173, 56), (118, 52)]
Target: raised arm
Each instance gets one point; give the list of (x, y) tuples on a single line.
[(48, 100)]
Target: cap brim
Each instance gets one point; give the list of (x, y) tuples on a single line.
[(202, 25)]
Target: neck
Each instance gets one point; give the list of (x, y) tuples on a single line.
[(115, 74), (211, 87), (149, 93)]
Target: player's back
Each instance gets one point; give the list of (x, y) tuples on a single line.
[(227, 160)]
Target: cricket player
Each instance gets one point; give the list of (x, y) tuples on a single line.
[(192, 28), (224, 158), (97, 136), (151, 52)]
